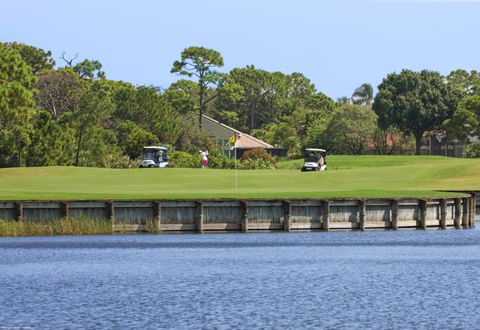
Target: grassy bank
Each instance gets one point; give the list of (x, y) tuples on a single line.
[(55, 227), (349, 177), (65, 226)]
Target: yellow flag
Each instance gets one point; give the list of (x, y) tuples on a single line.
[(232, 139)]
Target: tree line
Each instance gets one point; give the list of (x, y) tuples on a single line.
[(71, 114)]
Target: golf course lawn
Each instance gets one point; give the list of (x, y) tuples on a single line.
[(347, 177)]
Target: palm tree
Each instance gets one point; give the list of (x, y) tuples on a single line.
[(363, 95)]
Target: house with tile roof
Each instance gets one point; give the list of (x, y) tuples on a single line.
[(243, 141)]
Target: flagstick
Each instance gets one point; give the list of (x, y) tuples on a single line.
[(236, 172), (233, 141)]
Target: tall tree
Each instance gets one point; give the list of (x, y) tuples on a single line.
[(58, 91), (468, 82), (87, 119), (89, 69), (244, 91), (348, 130), (291, 92), (150, 110), (363, 95), (258, 97), (16, 107), (415, 102), (182, 95), (200, 62), (49, 145), (38, 59)]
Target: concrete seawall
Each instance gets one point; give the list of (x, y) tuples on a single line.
[(254, 215)]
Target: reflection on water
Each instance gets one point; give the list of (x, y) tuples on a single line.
[(379, 279)]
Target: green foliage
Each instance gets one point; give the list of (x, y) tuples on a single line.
[(465, 122), (258, 153), (89, 69), (68, 116), (255, 164), (258, 96), (415, 102), (58, 91), (200, 62), (133, 138), (16, 107), (461, 125), (256, 159), (91, 139), (148, 109), (316, 133), (217, 160), (245, 91), (181, 159), (117, 159), (473, 150), (348, 130), (192, 139), (390, 141), (363, 95), (284, 135), (37, 58), (182, 95), (467, 82), (48, 145)]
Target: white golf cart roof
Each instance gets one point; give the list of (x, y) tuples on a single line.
[(156, 148), (314, 149)]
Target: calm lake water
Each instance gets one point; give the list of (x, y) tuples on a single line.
[(336, 280)]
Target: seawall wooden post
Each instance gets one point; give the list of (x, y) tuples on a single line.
[(394, 214), (458, 212), (465, 204), (19, 211), (111, 211), (362, 211), (244, 218), (199, 217), (470, 211), (64, 206), (326, 216), (474, 210), (287, 211), (157, 212), (443, 213), (423, 214)]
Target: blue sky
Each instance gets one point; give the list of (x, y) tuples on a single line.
[(337, 44)]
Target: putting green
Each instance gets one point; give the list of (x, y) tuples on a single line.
[(347, 177)]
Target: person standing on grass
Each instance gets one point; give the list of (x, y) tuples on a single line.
[(204, 158)]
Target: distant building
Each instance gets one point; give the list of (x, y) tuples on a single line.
[(433, 144), (222, 134)]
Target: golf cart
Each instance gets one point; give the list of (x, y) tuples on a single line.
[(315, 160), (154, 156)]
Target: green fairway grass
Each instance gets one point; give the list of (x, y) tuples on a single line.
[(347, 177), (348, 162)]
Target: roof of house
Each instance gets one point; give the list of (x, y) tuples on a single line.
[(389, 140), (243, 140)]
